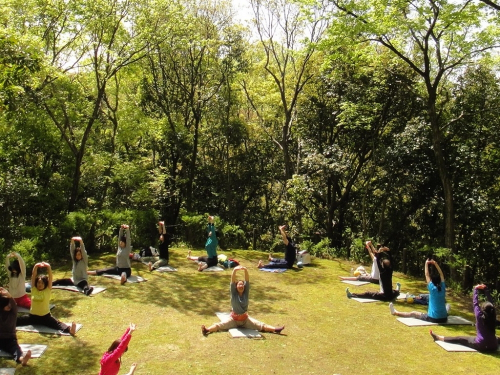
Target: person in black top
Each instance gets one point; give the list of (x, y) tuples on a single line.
[(290, 253), (385, 267), (162, 247), (8, 336)]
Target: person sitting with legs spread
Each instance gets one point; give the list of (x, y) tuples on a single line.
[(437, 311), (80, 267), (385, 267), (17, 275), (374, 275), (122, 268), (40, 298), (290, 254), (239, 290), (485, 339), (161, 261)]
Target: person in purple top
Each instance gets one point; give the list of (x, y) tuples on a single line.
[(485, 339)]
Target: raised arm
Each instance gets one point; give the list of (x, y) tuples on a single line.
[(20, 259), (34, 274), (235, 270), (475, 299), (72, 248), (85, 257), (371, 249), (427, 275), (283, 234), (426, 270), (129, 240), (49, 274), (161, 227)]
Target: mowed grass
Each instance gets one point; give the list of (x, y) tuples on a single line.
[(325, 333)]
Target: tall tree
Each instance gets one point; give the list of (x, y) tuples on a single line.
[(86, 44), (435, 39), (288, 39)]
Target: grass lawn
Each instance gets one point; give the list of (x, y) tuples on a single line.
[(325, 333)]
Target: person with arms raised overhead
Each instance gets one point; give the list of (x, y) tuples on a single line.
[(239, 291), (290, 253), (485, 339), (385, 268), (122, 268)]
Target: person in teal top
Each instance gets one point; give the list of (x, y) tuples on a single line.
[(437, 311), (210, 246)]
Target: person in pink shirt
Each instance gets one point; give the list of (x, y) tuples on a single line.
[(112, 359)]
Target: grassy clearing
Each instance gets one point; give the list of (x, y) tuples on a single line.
[(325, 332)]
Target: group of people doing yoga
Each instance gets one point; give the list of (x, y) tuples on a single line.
[(381, 273), (42, 283), (438, 310), (41, 286), (39, 308)]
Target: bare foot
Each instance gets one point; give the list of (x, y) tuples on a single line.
[(202, 266), (260, 265), (279, 329), (72, 330), (270, 258), (123, 279), (150, 266), (189, 254), (26, 358), (132, 369)]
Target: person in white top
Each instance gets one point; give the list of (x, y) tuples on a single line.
[(17, 274), (374, 276)]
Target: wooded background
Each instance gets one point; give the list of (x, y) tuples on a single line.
[(346, 120)]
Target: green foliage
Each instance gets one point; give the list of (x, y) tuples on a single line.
[(321, 249), (29, 251)]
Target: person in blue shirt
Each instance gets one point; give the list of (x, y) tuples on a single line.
[(437, 311)]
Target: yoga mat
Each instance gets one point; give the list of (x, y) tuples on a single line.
[(355, 282), (451, 347), (239, 332), (36, 350), (130, 279), (273, 270), (7, 371), (368, 300), (452, 320), (27, 311), (165, 269), (213, 269), (44, 329), (73, 288)]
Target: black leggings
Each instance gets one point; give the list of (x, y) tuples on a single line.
[(377, 295), (12, 347), (68, 282), (209, 261), (114, 271), (44, 320), (470, 341)]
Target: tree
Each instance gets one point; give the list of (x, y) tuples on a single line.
[(288, 39), (435, 40), (86, 44)]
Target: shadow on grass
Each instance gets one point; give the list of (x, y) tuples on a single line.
[(192, 292)]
